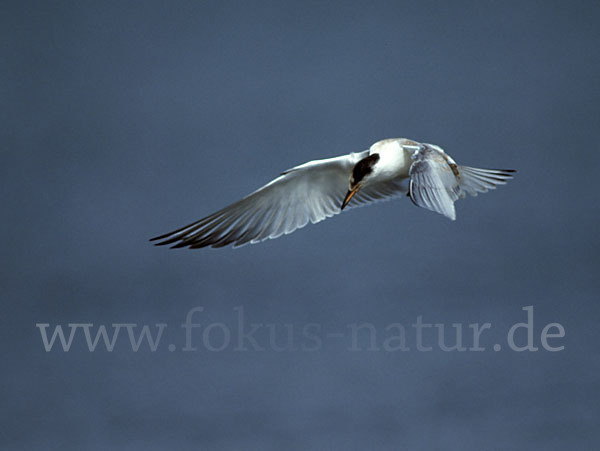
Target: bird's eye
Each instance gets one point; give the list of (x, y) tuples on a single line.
[(364, 167)]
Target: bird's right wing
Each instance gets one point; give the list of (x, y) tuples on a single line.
[(436, 181), (307, 193)]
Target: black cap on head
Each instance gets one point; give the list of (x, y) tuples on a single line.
[(364, 167)]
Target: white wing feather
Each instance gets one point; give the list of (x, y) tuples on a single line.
[(474, 180), (307, 193), (433, 184)]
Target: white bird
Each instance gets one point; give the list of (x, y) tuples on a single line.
[(320, 189)]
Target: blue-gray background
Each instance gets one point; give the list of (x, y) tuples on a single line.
[(123, 120)]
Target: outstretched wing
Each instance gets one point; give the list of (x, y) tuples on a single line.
[(307, 193)]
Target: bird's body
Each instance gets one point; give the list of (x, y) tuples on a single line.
[(319, 189)]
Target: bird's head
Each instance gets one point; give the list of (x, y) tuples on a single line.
[(361, 173)]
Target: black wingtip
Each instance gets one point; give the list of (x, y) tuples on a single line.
[(165, 239), (161, 237)]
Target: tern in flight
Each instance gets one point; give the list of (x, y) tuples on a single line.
[(320, 189)]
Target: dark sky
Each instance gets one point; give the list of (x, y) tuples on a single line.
[(124, 120)]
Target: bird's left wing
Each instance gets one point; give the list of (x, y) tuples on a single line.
[(307, 193), (433, 181)]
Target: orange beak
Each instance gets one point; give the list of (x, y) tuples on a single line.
[(349, 195)]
